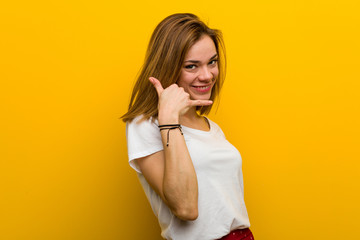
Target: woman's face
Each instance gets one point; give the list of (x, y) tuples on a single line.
[(200, 69)]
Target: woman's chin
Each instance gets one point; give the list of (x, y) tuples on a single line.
[(203, 97)]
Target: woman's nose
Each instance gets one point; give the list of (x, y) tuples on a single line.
[(205, 74)]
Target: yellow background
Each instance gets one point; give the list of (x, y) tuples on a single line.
[(290, 104)]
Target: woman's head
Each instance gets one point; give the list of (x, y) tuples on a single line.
[(169, 45), (200, 69)]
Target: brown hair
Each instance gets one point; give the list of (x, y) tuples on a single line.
[(169, 43)]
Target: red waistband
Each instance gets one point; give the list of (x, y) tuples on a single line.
[(243, 234)]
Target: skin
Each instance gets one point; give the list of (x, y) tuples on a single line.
[(170, 172)]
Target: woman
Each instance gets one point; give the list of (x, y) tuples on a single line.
[(190, 173)]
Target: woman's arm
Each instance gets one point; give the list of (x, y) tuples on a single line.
[(170, 172)]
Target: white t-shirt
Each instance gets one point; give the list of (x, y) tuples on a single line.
[(217, 164)]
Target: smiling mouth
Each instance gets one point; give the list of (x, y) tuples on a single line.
[(203, 88)]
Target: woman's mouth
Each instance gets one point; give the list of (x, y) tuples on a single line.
[(202, 89)]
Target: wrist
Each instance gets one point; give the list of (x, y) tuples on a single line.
[(168, 118)]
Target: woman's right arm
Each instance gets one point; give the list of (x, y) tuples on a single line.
[(171, 172)]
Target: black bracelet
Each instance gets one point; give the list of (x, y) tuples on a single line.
[(170, 127)]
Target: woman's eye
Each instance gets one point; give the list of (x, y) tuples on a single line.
[(212, 62), (190, 66)]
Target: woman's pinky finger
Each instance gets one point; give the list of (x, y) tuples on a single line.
[(200, 102)]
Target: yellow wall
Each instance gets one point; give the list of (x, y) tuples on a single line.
[(290, 105)]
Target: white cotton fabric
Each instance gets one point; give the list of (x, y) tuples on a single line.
[(218, 167)]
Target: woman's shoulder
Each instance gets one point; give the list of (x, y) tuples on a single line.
[(215, 127), (143, 121), (142, 125)]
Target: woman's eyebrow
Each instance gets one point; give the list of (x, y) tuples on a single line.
[(196, 61)]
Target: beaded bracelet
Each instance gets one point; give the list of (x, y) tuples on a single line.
[(170, 127)]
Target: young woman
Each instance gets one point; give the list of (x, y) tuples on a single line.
[(190, 173)]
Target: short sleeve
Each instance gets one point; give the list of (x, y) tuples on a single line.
[(143, 139)]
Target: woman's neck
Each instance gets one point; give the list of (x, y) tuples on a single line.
[(190, 115), (193, 120)]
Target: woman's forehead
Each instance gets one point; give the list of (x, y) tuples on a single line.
[(204, 49)]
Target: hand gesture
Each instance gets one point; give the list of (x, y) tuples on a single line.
[(174, 101)]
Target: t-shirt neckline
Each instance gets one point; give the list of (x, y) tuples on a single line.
[(198, 130)]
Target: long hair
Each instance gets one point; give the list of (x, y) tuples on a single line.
[(169, 43)]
